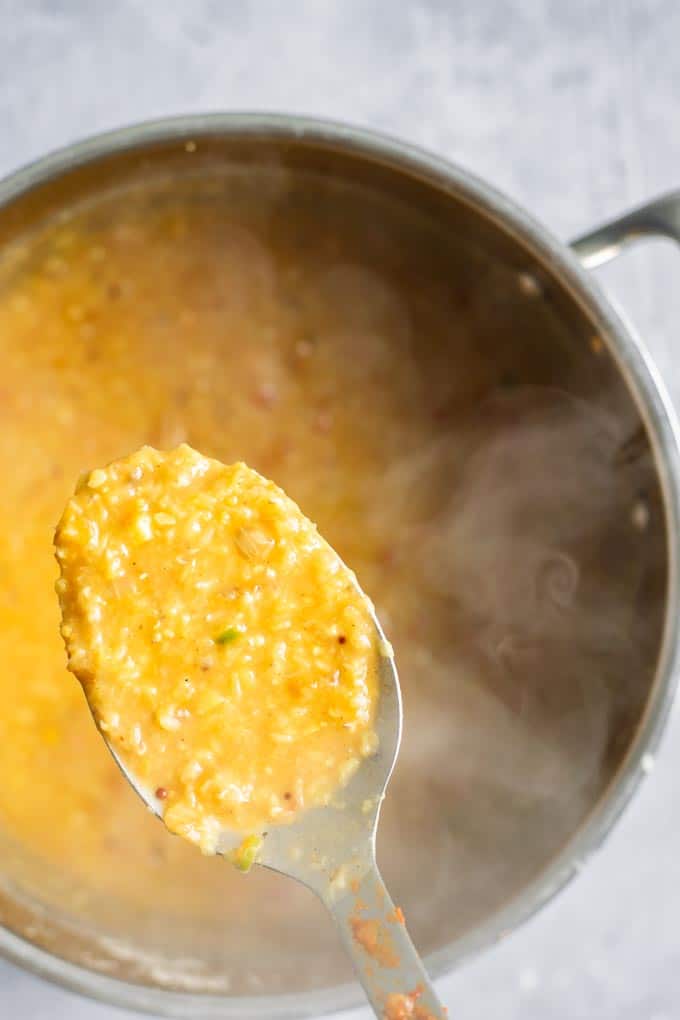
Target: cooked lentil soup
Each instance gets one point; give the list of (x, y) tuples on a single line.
[(227, 653), (256, 315), (367, 357)]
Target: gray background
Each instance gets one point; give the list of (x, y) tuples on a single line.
[(572, 108)]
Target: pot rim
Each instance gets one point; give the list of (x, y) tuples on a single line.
[(646, 388)]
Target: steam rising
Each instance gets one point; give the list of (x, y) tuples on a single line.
[(534, 554)]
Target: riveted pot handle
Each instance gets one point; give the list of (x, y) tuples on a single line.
[(660, 218)]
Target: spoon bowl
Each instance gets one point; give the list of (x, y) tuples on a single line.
[(331, 850)]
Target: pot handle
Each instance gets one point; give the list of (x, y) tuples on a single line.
[(659, 218)]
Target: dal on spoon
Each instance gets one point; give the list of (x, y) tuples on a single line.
[(244, 685)]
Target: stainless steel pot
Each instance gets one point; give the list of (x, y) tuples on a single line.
[(548, 318)]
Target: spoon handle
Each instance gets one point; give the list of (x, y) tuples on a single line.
[(386, 961)]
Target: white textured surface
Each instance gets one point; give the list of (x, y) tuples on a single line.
[(572, 108)]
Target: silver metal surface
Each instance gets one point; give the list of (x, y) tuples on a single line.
[(657, 219), (641, 382)]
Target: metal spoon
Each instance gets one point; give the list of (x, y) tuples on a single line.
[(332, 851)]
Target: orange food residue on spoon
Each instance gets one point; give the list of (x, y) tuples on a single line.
[(405, 1006), (375, 940)]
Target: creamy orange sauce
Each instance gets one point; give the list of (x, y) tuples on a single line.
[(227, 653)]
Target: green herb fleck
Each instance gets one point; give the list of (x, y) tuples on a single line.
[(227, 636), (245, 855)]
